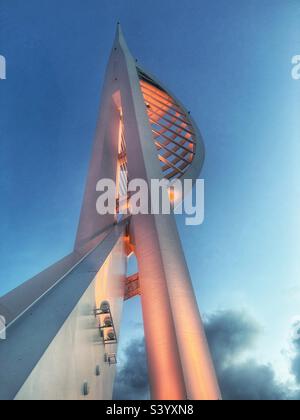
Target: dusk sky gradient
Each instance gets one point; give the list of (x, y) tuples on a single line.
[(229, 62)]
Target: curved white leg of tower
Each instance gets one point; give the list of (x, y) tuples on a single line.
[(199, 373), (165, 371)]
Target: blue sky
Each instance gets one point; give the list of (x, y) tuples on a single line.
[(229, 61)]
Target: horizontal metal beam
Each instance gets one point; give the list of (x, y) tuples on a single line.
[(166, 111), (156, 91), (170, 164), (172, 122), (172, 131), (132, 287), (158, 134), (172, 152), (170, 104)]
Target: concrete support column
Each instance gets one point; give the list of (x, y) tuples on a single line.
[(199, 373), (165, 371)]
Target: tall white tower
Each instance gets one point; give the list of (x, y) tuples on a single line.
[(63, 325)]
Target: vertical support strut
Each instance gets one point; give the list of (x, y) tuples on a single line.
[(165, 371)]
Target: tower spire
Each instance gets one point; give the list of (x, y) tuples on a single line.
[(121, 41), (119, 32)]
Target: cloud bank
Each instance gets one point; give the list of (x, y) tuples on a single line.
[(230, 335)]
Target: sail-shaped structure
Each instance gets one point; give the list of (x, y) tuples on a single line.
[(63, 325)]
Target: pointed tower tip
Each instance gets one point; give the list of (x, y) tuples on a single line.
[(119, 32), (120, 39)]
